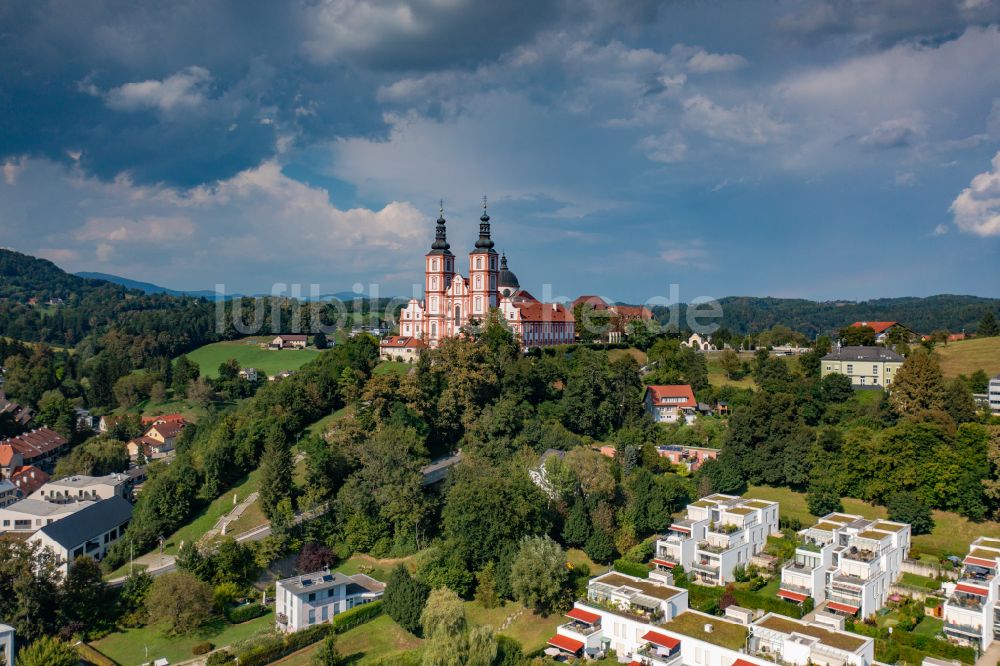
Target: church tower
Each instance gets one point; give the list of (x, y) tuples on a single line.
[(483, 272), (438, 273)]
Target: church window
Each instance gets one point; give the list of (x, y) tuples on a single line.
[(434, 264), (479, 303), (434, 283), (479, 282), (434, 329), (479, 262)]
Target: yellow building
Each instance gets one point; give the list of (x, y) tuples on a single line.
[(866, 366)]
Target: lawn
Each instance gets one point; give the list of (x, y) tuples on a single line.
[(716, 377), (529, 629), (951, 536), (377, 569), (364, 644), (923, 582), (639, 355), (250, 355), (966, 356), (929, 626), (128, 647), (576, 557), (392, 367)]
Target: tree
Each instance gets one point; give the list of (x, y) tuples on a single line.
[(988, 326), (979, 382), (823, 498), (57, 413), (576, 529), (320, 341), (404, 599), (180, 601), (276, 475), (486, 586), (200, 392), (443, 613), (960, 404), (538, 573), (918, 385), (327, 654), (853, 336), (314, 557), (836, 387), (185, 371), (600, 546), (482, 646), (48, 651), (908, 507), (730, 363), (158, 393), (84, 593), (728, 598)]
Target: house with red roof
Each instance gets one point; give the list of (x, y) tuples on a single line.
[(401, 348), (289, 342), (157, 441), (39, 448), (881, 328), (668, 403), (538, 324), (162, 418)]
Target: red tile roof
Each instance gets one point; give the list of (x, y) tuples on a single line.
[(662, 640), (544, 312), (36, 444), (28, 478), (6, 454), (878, 326), (633, 311), (163, 418), (596, 302), (661, 393), (400, 341), (584, 616), (566, 643), (167, 430)]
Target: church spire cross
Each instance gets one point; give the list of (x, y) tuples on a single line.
[(485, 243), (440, 235)]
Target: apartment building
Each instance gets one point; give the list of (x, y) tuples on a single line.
[(82, 488), (971, 613), (302, 601), (89, 531), (720, 533), (609, 619), (30, 515), (865, 366), (847, 563), (993, 395)]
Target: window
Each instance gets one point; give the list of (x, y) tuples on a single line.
[(434, 264), (479, 262), (829, 367), (312, 616), (312, 596), (479, 282), (875, 370), (850, 368)]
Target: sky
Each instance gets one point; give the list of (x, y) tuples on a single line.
[(826, 150)]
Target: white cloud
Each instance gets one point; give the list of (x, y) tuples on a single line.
[(186, 88), (977, 207), (683, 253), (699, 61), (749, 123), (940, 230), (144, 230), (10, 169), (667, 148), (896, 132)]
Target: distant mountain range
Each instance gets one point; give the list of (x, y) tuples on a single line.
[(150, 288)]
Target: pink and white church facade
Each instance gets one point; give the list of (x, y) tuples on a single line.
[(451, 301)]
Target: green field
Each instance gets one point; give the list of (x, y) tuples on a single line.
[(951, 536), (362, 645), (250, 355), (392, 367), (966, 356), (129, 647)]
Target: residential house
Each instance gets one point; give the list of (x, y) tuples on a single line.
[(158, 441), (618, 614), (401, 348), (249, 374), (28, 479), (89, 531), (38, 448), (696, 341), (302, 601), (8, 493), (667, 404), (82, 488), (284, 374), (20, 414), (719, 533), (85, 421), (163, 419), (866, 366), (846, 564), (972, 610), (692, 457), (883, 328), (6, 645), (289, 342), (29, 515), (994, 395)]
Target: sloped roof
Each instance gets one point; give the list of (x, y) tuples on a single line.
[(85, 524), (544, 312), (878, 326), (400, 341), (167, 430), (36, 443), (661, 393), (858, 353)]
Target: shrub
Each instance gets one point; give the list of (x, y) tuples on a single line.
[(757, 583), (201, 648), (245, 613), (631, 568), (219, 658)]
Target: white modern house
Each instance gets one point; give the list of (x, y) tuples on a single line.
[(847, 563), (994, 395), (720, 533), (302, 601), (6, 645), (971, 613), (89, 531), (82, 488), (30, 515), (612, 619)]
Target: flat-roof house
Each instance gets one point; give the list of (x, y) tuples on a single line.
[(81, 488), (29, 515), (668, 403), (865, 366), (8, 493), (970, 612), (302, 601), (89, 531), (401, 347), (993, 395)]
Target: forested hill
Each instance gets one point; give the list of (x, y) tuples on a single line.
[(748, 314), (23, 277)]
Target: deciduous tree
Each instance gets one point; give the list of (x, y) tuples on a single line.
[(180, 602)]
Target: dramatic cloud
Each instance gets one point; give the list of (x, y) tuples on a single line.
[(977, 208)]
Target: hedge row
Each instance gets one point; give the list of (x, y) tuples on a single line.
[(631, 568), (265, 653), (91, 655), (749, 599), (245, 613)]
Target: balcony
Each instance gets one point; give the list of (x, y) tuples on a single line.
[(963, 631), (859, 555), (711, 548), (791, 587), (800, 567), (724, 528), (809, 546), (650, 655), (581, 628), (966, 601)]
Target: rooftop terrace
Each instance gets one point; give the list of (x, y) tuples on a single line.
[(724, 633), (834, 639)]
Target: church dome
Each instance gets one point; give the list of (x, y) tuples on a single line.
[(506, 280)]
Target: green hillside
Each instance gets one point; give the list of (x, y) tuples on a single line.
[(249, 354), (967, 356)]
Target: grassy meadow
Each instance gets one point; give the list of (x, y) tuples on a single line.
[(966, 356), (250, 355)]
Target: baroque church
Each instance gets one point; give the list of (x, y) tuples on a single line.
[(452, 301)]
